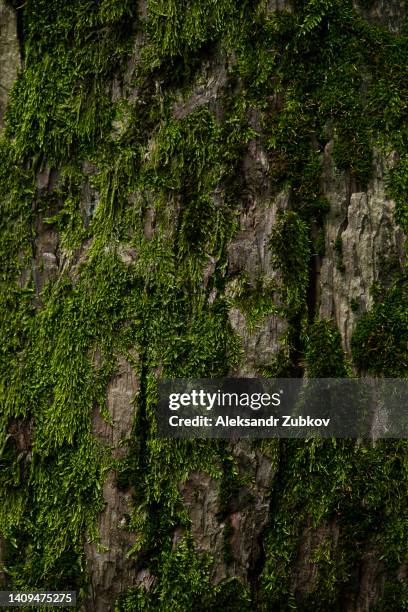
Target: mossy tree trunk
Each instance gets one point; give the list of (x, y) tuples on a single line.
[(199, 189)]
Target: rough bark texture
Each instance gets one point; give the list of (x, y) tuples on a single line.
[(109, 567), (141, 511), (9, 54), (361, 237)]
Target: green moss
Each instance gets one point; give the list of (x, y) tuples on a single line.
[(324, 356), (395, 597), (61, 102), (379, 342), (355, 305), (398, 188), (320, 244), (255, 301), (318, 74), (290, 249), (55, 384), (182, 28), (184, 585), (231, 595), (333, 486)]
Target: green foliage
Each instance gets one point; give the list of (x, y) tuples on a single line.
[(166, 191), (314, 12), (257, 301), (379, 342), (395, 597), (355, 305), (231, 595), (290, 249), (324, 355), (60, 346), (179, 28), (54, 383), (398, 188), (61, 102), (325, 488), (184, 586)]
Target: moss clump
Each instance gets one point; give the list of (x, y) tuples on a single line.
[(184, 584), (329, 488), (255, 300), (290, 249), (324, 356), (379, 342), (61, 103), (54, 384), (182, 28), (166, 189)]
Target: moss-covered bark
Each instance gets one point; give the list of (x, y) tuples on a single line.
[(123, 183)]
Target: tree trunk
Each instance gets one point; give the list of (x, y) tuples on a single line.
[(198, 190)]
